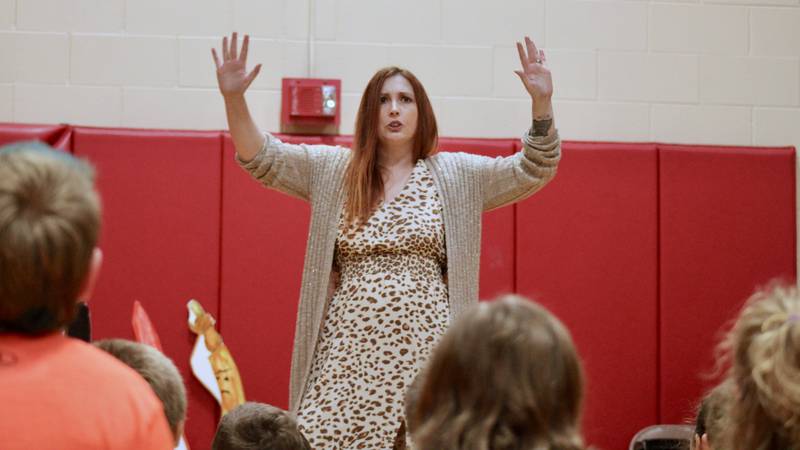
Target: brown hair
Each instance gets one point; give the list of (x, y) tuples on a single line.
[(49, 222), (158, 370), (411, 399), (712, 412), (763, 350), (363, 181), (506, 375), (258, 426)]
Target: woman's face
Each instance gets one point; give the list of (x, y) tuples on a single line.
[(398, 113)]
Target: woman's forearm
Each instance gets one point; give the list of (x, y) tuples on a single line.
[(247, 138)]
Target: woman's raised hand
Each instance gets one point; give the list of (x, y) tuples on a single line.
[(232, 75), (534, 75)]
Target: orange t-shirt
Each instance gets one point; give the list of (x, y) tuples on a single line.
[(59, 392)]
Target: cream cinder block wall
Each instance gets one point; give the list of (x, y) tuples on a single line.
[(721, 71), (690, 71)]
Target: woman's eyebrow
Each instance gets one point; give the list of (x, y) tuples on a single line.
[(406, 93)]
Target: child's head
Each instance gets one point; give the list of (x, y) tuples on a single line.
[(411, 400), (49, 223), (159, 371), (505, 375), (711, 415), (258, 426), (764, 352)]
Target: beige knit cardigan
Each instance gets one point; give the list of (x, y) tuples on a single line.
[(468, 185)]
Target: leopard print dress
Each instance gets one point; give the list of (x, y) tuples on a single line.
[(390, 308)]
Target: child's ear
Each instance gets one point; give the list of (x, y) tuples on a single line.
[(704, 443), (91, 275)]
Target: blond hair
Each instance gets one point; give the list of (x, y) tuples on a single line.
[(506, 375), (158, 370), (49, 222), (763, 350)]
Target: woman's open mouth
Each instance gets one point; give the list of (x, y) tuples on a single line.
[(395, 125)]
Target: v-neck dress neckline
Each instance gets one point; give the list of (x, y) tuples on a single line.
[(405, 184)]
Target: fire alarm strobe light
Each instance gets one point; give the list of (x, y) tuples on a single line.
[(310, 106)]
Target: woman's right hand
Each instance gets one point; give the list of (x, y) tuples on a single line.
[(232, 75)]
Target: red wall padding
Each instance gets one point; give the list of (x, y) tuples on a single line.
[(587, 249), (263, 244), (344, 141), (643, 250), (497, 237), (58, 136), (161, 238), (727, 226)]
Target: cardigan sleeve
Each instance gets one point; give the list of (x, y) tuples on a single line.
[(506, 180), (287, 168)]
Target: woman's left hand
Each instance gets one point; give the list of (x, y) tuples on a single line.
[(534, 75)]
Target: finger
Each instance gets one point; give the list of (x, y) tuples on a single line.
[(523, 58), (252, 76), (225, 54), (533, 52), (542, 58), (216, 58), (245, 47), (522, 78), (234, 46)]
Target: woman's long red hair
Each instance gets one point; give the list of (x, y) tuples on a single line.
[(363, 181)]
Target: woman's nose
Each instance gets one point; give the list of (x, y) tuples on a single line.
[(395, 107)]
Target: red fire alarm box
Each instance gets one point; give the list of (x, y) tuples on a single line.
[(310, 106)]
